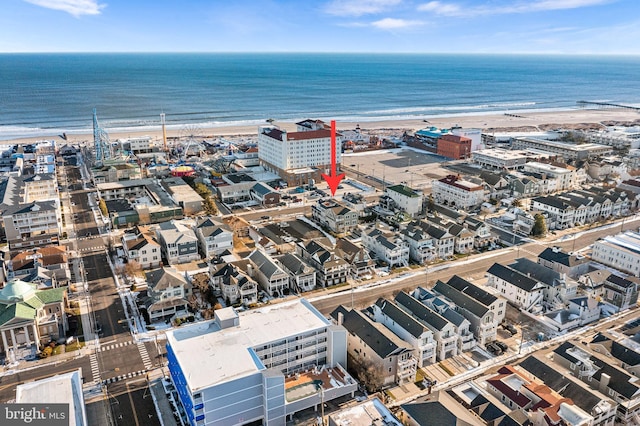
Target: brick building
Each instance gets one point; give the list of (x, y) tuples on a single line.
[(454, 146)]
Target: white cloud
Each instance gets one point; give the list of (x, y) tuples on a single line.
[(359, 7), (73, 7), (454, 9), (394, 24)]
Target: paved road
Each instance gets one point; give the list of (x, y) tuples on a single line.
[(473, 267), (119, 362)]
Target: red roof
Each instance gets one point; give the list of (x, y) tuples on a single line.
[(313, 134)]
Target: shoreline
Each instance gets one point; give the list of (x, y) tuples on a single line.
[(517, 120)]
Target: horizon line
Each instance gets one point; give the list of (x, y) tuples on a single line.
[(319, 53)]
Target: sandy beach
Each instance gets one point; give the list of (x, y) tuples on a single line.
[(516, 121)]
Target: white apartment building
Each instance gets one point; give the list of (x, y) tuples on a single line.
[(458, 193), (620, 251), (569, 151), (276, 361), (409, 200), (137, 145), (295, 155), (409, 329), (565, 178), (390, 249), (499, 159), (522, 290)]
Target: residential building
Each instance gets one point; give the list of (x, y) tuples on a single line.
[(564, 177), (568, 151), (558, 288), (571, 264), (408, 328), (520, 289), (390, 249), (302, 276), (334, 216), (458, 193), (179, 243), (63, 388), (168, 292), (372, 345), (454, 146), (484, 311), (599, 373), (233, 283), (441, 409), (600, 407), (297, 156), (116, 170), (331, 268), (27, 264), (358, 257), (140, 245), (264, 194), (214, 236), (621, 251), (427, 241), (444, 331), (500, 159), (276, 361), (30, 317), (621, 292), (407, 199), (268, 273)]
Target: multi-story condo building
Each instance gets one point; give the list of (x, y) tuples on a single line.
[(302, 276), (499, 159), (409, 329), (458, 193), (297, 156), (427, 241), (372, 344), (454, 146), (520, 289), (331, 268), (444, 331), (409, 200), (262, 365), (620, 251), (564, 178), (568, 151), (388, 248), (484, 311), (334, 216)]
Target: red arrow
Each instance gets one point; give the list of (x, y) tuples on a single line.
[(333, 180)]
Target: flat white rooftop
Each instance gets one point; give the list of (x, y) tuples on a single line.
[(209, 355), (59, 389)]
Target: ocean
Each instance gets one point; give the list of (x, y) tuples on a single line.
[(44, 94)]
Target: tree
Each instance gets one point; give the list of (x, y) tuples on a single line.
[(202, 190), (370, 375), (209, 206), (103, 207), (539, 227), (132, 268)]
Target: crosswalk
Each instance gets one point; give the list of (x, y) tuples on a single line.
[(95, 368), (90, 249), (145, 356), (108, 347), (123, 377)]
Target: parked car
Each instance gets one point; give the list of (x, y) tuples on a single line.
[(501, 345)]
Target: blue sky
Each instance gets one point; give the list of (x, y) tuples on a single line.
[(447, 26)]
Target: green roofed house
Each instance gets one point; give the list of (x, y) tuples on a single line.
[(29, 317), (409, 200)]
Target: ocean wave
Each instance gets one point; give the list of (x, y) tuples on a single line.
[(451, 108)]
